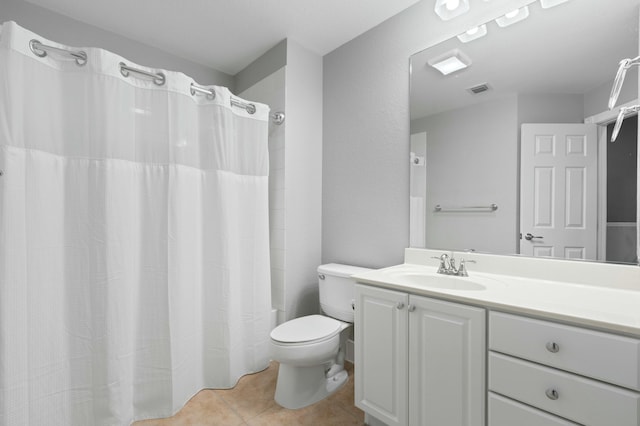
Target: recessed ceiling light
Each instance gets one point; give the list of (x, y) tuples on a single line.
[(473, 33), (452, 4), (512, 17), (449, 9), (546, 4), (450, 62)]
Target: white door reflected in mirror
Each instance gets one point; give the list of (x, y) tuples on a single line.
[(559, 190)]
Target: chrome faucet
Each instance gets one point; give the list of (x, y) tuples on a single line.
[(448, 266), (445, 264)]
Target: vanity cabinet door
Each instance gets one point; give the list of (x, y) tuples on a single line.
[(381, 333), (446, 363)]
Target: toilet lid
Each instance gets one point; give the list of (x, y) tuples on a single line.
[(305, 329)]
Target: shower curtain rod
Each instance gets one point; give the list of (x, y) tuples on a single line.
[(276, 117), (249, 107), (211, 94), (80, 56), (158, 78), (41, 50)]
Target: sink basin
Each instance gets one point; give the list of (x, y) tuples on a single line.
[(441, 281)]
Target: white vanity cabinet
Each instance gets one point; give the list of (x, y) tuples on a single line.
[(419, 361), (576, 374), (381, 329)]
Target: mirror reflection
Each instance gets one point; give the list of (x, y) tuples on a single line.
[(510, 155)]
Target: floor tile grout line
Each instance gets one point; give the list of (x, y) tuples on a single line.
[(231, 400), (230, 407)]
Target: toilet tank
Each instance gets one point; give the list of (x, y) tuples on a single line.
[(336, 288)]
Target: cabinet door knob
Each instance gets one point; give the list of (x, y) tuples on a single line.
[(552, 347), (552, 394), (400, 305), (411, 308)]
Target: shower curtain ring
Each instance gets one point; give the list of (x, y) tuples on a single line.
[(34, 45)]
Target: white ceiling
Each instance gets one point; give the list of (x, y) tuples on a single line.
[(229, 34)]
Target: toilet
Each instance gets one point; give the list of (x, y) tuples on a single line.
[(311, 349)]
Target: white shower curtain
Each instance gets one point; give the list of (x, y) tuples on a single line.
[(134, 254)]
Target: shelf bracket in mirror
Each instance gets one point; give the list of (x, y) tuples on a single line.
[(624, 112), (624, 65)]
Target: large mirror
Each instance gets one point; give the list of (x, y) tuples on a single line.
[(528, 89)]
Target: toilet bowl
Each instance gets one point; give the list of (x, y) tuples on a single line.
[(308, 371), (307, 341), (311, 349)]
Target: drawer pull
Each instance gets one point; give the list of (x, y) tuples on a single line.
[(552, 394), (553, 347)]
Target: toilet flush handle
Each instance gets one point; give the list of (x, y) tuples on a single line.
[(321, 276)]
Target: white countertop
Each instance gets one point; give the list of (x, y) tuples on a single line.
[(610, 306)]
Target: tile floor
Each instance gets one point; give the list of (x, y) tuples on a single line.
[(251, 403)]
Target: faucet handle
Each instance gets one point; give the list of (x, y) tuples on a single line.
[(442, 269), (462, 270)]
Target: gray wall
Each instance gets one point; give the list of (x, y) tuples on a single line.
[(296, 205), (551, 108), (62, 29), (303, 179), (594, 100), (267, 64), (472, 157), (365, 202)]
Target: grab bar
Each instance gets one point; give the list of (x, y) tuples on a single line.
[(489, 208)]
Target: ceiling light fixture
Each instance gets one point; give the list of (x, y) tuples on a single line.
[(450, 62), (513, 17), (473, 33), (452, 4), (449, 9), (546, 4)]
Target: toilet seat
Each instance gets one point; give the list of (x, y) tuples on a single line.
[(311, 328)]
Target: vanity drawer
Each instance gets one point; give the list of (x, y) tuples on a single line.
[(608, 357), (576, 398), (506, 412)]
